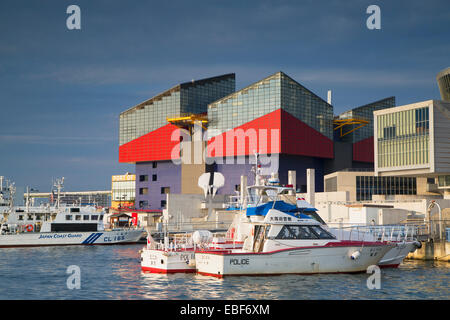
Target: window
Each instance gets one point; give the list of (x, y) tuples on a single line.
[(68, 217), (389, 132), (101, 217), (143, 178), (321, 233), (143, 204), (85, 217), (78, 217), (143, 190), (94, 217), (154, 164), (20, 217), (296, 232), (74, 209), (163, 204), (165, 190), (154, 177)]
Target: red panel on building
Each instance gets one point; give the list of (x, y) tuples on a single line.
[(363, 150), (160, 144), (275, 132), (300, 139), (261, 134)]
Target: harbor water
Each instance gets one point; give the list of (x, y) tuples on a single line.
[(113, 272)]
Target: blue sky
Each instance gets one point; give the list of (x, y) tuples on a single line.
[(62, 90)]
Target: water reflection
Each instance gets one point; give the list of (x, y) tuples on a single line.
[(114, 272)]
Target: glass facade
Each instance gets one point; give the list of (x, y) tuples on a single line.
[(74, 199), (245, 105), (123, 190), (364, 113), (444, 181), (366, 186), (265, 96), (403, 138), (187, 98), (306, 106)]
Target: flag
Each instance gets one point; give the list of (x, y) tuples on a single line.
[(149, 240), (134, 218)]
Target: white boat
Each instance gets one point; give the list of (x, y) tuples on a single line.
[(268, 188), (33, 226), (402, 236), (287, 243), (41, 226), (178, 256)]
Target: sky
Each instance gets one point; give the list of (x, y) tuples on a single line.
[(61, 90)]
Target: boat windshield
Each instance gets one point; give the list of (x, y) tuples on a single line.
[(303, 232)]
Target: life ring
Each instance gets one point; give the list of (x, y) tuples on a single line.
[(29, 228)]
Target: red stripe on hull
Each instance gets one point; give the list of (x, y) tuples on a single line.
[(166, 271), (389, 265), (328, 245)]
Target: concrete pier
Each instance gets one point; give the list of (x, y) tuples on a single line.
[(432, 250)]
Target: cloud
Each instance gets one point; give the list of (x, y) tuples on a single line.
[(53, 140), (172, 75)]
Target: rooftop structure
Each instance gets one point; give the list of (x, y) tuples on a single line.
[(443, 80)]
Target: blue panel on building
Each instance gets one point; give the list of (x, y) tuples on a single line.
[(155, 176)]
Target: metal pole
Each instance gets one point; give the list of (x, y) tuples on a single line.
[(440, 222)]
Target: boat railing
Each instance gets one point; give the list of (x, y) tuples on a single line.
[(174, 242), (383, 233)]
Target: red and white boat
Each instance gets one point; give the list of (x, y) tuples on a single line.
[(402, 236), (281, 242), (178, 255)]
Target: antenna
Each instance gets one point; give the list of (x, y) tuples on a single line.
[(12, 192), (59, 185)]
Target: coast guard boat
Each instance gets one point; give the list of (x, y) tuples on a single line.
[(58, 225)]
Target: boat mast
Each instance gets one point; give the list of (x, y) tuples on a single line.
[(12, 193), (28, 200), (59, 185)]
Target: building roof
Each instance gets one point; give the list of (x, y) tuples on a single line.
[(356, 109), (443, 73), (176, 88), (275, 75)]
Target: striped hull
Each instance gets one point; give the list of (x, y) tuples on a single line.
[(36, 239)]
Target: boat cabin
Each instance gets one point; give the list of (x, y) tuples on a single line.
[(120, 220)]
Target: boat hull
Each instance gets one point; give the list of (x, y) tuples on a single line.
[(290, 261), (394, 257), (36, 239), (162, 261)]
